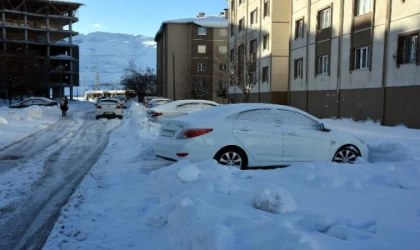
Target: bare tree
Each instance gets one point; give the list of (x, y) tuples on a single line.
[(221, 75), (197, 86), (143, 82), (22, 74), (244, 69)]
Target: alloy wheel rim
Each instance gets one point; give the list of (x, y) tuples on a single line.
[(231, 159), (345, 156)]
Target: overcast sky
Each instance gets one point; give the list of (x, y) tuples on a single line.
[(139, 16)]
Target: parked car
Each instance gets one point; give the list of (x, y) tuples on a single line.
[(178, 108), (255, 135), (109, 108), (123, 100), (39, 101), (147, 99), (157, 101)]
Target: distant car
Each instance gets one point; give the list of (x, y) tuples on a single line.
[(122, 99), (109, 108), (147, 99), (255, 135), (158, 101), (178, 108), (32, 101)]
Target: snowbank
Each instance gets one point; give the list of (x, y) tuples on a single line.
[(131, 200)]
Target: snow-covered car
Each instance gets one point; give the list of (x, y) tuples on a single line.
[(147, 99), (40, 101), (158, 101), (109, 108), (178, 108), (255, 135), (123, 100)]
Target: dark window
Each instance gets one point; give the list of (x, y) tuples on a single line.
[(324, 18), (265, 74), (232, 31), (408, 49), (241, 25), (266, 42), (361, 58), (253, 45), (232, 5), (299, 29), (266, 8), (223, 32), (202, 31), (299, 68), (363, 7), (323, 64), (240, 1), (253, 17), (223, 67), (232, 55), (202, 67)]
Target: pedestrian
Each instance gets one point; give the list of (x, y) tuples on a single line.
[(64, 106)]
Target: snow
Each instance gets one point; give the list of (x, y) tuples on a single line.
[(132, 200)]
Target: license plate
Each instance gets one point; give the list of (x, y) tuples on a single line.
[(167, 133)]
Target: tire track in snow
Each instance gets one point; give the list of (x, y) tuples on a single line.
[(30, 224)]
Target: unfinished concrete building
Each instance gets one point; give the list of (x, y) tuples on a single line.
[(44, 27)]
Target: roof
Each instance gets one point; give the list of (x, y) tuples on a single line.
[(218, 22)]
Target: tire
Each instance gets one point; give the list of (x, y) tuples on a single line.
[(120, 117), (346, 154), (232, 157), (97, 117)]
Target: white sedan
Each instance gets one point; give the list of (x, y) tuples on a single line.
[(255, 135), (109, 108), (178, 108), (158, 101)]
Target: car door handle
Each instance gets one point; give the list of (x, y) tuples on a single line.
[(291, 133), (243, 129)]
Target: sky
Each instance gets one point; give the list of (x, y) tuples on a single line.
[(139, 16)]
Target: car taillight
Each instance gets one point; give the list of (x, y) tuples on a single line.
[(156, 114), (118, 107), (191, 133), (98, 107)]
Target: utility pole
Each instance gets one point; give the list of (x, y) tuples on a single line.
[(97, 84), (173, 74)]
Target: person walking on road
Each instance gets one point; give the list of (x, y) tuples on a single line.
[(64, 106)]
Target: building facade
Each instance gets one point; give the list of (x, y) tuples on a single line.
[(192, 57), (356, 58), (259, 49), (44, 28)]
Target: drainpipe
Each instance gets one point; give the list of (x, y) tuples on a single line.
[(384, 62), (340, 41), (307, 55), (289, 88)]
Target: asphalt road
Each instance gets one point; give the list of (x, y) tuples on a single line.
[(63, 153)]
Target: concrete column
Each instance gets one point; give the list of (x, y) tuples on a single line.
[(26, 28)]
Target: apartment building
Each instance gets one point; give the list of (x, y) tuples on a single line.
[(192, 56), (356, 58), (259, 49), (44, 28)]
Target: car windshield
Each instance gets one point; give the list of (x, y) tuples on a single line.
[(109, 102)]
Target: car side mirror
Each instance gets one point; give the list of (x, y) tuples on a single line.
[(322, 127)]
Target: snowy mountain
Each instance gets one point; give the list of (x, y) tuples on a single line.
[(108, 54)]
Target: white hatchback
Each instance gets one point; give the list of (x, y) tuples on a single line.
[(178, 108), (109, 108), (255, 135)]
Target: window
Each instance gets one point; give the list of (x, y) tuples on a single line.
[(253, 17), (324, 19), (202, 67), (240, 1), (265, 74), (299, 29), (299, 68), (285, 117), (266, 8), (223, 49), (202, 31), (257, 115), (202, 49), (232, 5), (266, 42), (223, 32), (223, 67), (241, 25), (253, 46), (323, 65), (408, 48), (232, 31), (361, 58), (363, 7), (232, 55)]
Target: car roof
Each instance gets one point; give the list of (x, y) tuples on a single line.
[(36, 97), (180, 102), (231, 109)]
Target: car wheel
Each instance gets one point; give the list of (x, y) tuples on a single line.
[(232, 157), (97, 117), (120, 117), (346, 155)]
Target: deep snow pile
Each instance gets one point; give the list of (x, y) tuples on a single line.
[(16, 124), (131, 200)]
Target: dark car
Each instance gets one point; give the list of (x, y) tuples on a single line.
[(39, 101)]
